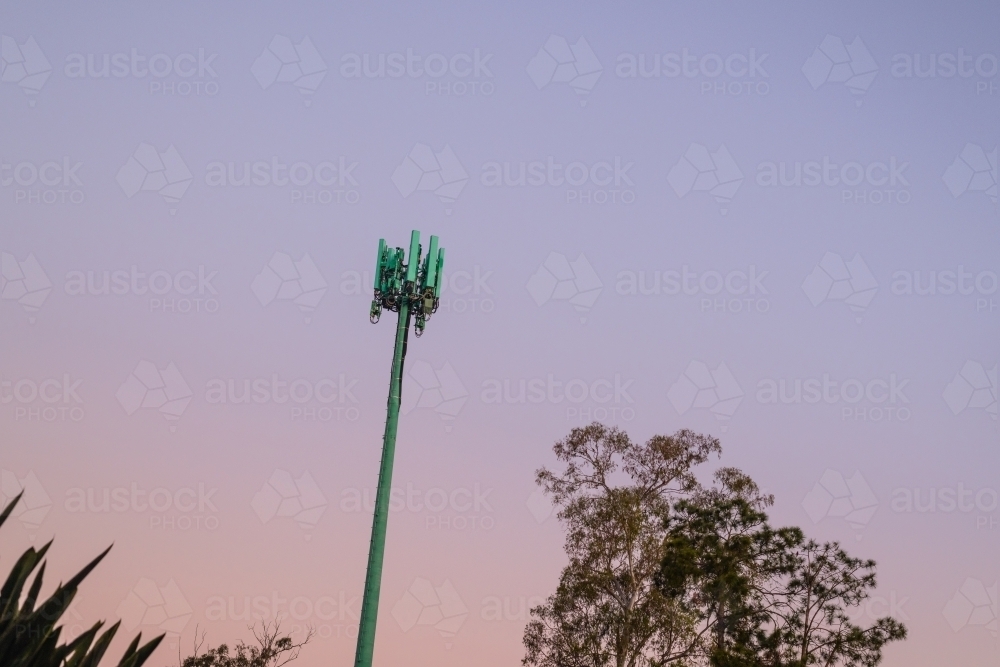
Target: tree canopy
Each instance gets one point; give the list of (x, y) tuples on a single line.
[(664, 570)]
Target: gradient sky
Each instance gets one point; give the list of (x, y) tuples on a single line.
[(841, 468)]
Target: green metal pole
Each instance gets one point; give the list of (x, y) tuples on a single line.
[(410, 290), (376, 550)]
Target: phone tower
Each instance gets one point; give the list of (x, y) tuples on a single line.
[(411, 289)]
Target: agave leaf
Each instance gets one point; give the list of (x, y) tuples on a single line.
[(97, 652), (82, 574), (135, 658), (10, 593), (81, 645), (10, 508), (36, 587)]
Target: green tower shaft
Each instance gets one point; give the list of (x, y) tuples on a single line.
[(408, 289), (376, 549)]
